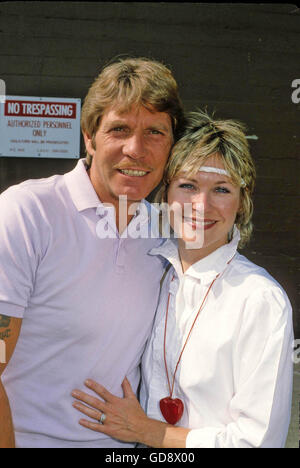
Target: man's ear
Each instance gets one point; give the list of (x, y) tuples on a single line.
[(88, 143)]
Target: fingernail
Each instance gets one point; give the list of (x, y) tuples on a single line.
[(75, 393), (88, 383)]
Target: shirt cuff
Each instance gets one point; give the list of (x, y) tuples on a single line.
[(11, 310), (203, 438)]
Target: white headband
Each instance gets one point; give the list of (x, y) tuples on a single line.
[(216, 170), (213, 169)]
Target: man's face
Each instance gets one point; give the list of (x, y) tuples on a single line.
[(129, 154)]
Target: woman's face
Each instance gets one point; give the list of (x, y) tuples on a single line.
[(203, 207)]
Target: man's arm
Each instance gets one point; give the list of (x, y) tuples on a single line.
[(9, 333)]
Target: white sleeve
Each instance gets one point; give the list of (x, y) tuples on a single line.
[(19, 250), (262, 372)]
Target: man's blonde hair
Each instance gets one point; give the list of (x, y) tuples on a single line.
[(204, 137), (133, 81)]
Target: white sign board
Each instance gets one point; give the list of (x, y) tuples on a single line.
[(36, 127)]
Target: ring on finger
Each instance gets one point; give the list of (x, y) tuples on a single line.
[(102, 418)]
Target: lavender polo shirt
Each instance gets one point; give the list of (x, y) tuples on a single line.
[(87, 305)]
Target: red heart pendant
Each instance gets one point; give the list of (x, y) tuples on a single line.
[(172, 409)]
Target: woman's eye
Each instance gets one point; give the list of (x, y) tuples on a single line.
[(222, 190), (187, 186)]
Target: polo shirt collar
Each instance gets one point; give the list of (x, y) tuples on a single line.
[(205, 269), (80, 187), (84, 195)]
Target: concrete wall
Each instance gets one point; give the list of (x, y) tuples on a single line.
[(237, 59)]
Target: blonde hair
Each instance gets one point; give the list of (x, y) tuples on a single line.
[(205, 136), (128, 82)]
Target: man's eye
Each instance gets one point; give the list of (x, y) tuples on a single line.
[(117, 129)]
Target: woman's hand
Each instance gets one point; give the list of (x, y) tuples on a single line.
[(125, 419)]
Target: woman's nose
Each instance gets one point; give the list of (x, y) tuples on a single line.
[(202, 203), (202, 198)]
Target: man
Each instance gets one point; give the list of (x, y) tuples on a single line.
[(75, 303)]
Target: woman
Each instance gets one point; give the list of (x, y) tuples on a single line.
[(217, 370)]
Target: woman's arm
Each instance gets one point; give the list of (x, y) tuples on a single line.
[(125, 419), (260, 407)]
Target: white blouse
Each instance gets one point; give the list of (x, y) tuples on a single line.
[(235, 375)]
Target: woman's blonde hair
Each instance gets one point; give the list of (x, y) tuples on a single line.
[(204, 137), (130, 81)]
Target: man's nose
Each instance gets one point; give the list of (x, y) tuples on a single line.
[(134, 146)]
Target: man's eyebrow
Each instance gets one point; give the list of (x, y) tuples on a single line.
[(115, 123), (159, 126), (122, 123)]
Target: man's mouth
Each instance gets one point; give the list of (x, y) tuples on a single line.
[(133, 173)]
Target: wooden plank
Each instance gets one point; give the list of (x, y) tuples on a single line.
[(261, 14), (287, 205), (223, 26), (35, 85)]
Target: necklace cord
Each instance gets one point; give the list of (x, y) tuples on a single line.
[(186, 341), (166, 367)]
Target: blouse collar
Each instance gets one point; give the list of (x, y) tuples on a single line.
[(206, 268)]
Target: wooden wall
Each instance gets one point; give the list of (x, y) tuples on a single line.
[(236, 59)]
